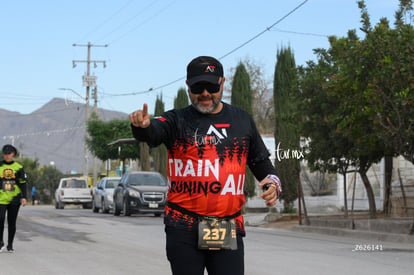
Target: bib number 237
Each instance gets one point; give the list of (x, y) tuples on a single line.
[(216, 234)]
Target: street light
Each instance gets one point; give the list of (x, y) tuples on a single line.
[(73, 91)]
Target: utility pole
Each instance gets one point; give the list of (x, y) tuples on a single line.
[(88, 81), (95, 158), (95, 100)]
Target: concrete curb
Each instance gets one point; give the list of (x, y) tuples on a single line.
[(395, 226), (356, 234), (378, 230)]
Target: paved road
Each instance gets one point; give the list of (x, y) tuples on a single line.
[(77, 241)]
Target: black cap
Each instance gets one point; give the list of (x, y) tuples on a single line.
[(204, 68), (8, 148)]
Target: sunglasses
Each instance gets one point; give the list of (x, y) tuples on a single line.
[(199, 88)]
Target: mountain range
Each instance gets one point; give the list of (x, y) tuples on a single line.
[(54, 134)]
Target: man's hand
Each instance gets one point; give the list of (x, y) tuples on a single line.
[(140, 118), (23, 201), (269, 195)]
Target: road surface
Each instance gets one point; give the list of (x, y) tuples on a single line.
[(77, 241)]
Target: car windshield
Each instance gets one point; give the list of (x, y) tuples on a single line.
[(74, 183), (111, 183), (147, 179)]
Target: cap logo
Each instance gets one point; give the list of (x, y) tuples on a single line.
[(210, 69), (204, 68)]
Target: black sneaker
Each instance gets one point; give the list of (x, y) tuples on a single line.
[(10, 249)]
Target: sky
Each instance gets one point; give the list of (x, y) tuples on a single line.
[(147, 44)]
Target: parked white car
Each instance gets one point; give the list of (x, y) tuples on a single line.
[(102, 194), (73, 191)]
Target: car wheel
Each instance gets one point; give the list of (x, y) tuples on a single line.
[(126, 210), (105, 208), (94, 208), (157, 214), (61, 205), (56, 205), (117, 211)]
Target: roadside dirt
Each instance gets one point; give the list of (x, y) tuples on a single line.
[(281, 224), (287, 221), (283, 221)]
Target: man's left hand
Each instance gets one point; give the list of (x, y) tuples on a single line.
[(270, 195)]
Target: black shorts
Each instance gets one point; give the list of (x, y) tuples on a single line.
[(186, 259)]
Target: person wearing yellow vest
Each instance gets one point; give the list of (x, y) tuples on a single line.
[(12, 194)]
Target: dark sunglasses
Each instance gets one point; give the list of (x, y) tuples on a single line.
[(199, 88)]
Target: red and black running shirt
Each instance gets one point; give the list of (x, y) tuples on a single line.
[(207, 155)]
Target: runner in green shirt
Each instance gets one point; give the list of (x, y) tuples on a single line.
[(12, 194)]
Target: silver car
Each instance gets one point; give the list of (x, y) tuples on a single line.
[(102, 194)]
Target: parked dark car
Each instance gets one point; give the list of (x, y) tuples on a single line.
[(103, 194), (140, 192)]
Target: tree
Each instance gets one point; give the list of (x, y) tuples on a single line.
[(241, 92), (159, 153), (376, 73), (47, 183), (181, 100), (262, 98), (370, 83), (45, 178), (286, 129), (31, 168), (102, 133), (241, 96), (387, 83), (326, 149), (343, 131), (144, 156), (389, 79)]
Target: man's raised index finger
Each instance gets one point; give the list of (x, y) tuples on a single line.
[(145, 109)]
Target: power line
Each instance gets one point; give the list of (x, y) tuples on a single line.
[(142, 23), (302, 33), (38, 113), (146, 91), (149, 90), (128, 20), (227, 54), (10, 95), (107, 20), (265, 30), (45, 132)]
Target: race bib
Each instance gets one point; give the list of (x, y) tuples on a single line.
[(217, 234), (8, 185)]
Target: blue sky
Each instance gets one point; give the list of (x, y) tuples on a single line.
[(151, 42)]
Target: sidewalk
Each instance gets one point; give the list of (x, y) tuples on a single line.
[(360, 227), (379, 229)]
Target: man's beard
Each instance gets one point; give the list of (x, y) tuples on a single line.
[(206, 111)]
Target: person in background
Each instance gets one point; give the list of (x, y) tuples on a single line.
[(209, 144), (12, 194), (34, 194)]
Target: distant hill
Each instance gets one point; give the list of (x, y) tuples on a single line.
[(53, 133)]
